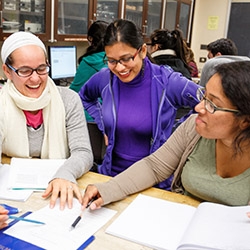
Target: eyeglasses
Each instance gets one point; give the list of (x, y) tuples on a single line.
[(27, 71), (210, 106), (124, 61)]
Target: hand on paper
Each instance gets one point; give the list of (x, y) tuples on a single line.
[(248, 214), (65, 189), (3, 217), (90, 193)]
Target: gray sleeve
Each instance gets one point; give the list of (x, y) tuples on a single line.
[(81, 157)]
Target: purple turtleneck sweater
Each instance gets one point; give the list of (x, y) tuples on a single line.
[(134, 122)]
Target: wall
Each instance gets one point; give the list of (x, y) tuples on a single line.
[(202, 33)]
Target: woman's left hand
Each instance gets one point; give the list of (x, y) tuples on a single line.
[(65, 189)]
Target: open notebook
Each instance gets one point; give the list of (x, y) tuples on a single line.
[(161, 224)]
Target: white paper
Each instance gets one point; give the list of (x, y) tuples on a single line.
[(153, 222), (56, 234), (5, 192), (32, 174)]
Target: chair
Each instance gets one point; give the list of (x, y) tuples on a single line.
[(97, 142)]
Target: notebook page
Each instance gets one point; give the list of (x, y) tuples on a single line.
[(216, 226), (153, 222)]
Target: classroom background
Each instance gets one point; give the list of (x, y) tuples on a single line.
[(210, 21)]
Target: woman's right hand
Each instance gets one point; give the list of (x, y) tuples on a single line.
[(92, 192), (3, 217)]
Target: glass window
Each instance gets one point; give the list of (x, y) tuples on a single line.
[(184, 18), (171, 11), (24, 15), (107, 10), (72, 17), (154, 16), (134, 11)]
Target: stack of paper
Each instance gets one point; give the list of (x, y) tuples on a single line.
[(32, 174), (5, 192), (23, 176)]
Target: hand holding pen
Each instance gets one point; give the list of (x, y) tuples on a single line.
[(91, 199), (90, 192), (80, 216)]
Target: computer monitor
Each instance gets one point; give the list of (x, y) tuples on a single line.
[(62, 60)]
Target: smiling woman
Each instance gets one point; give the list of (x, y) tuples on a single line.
[(42, 116), (139, 99)]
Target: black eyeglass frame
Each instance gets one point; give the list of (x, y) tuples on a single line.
[(121, 61), (47, 67), (201, 97)]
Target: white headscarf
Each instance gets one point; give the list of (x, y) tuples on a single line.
[(18, 40)]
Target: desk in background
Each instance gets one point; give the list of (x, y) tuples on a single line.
[(103, 241)]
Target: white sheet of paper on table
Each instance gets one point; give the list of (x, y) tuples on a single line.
[(55, 234)]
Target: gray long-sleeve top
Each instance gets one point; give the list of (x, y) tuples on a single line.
[(81, 157)]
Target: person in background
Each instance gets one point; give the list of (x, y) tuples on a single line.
[(39, 119), (208, 153), (3, 217), (167, 48), (222, 46), (189, 54), (140, 99), (92, 60)]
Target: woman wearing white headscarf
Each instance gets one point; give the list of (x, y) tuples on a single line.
[(39, 119)]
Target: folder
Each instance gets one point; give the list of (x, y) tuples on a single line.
[(12, 243)]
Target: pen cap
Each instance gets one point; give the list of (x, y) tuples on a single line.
[(12, 210)]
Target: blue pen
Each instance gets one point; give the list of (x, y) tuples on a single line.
[(87, 242), (12, 210), (24, 219)]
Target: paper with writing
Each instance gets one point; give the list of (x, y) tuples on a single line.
[(33, 174), (55, 234)]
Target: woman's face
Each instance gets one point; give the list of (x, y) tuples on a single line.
[(219, 125), (30, 56), (126, 72)]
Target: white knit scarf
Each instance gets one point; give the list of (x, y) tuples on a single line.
[(13, 121)]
